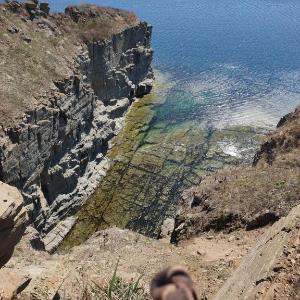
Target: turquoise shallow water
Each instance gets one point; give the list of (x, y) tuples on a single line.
[(239, 60)]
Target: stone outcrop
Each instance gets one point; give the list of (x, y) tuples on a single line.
[(286, 139), (56, 154), (35, 8), (271, 269), (13, 221)]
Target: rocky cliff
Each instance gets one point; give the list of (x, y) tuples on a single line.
[(66, 82)]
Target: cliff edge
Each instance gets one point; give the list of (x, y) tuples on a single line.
[(66, 82), (264, 197)]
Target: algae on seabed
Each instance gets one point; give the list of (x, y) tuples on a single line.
[(99, 211), (164, 148)]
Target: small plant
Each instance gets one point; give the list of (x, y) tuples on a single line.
[(116, 289)]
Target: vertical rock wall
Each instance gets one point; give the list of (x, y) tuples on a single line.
[(56, 156)]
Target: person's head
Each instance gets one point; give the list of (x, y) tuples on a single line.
[(172, 284)]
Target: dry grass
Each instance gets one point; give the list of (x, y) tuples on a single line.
[(99, 23), (248, 197), (90, 30), (115, 289), (28, 69)]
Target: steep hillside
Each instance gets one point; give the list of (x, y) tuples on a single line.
[(249, 197), (271, 270), (66, 81)]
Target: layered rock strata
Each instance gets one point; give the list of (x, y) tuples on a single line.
[(56, 154)]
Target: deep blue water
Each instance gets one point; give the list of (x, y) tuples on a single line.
[(238, 59)]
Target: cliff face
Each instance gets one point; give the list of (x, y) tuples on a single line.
[(55, 153)]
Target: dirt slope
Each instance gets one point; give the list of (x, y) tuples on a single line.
[(272, 268), (210, 260)]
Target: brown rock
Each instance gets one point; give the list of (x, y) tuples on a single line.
[(13, 220), (12, 283)]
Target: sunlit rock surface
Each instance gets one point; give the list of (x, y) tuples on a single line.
[(13, 220)]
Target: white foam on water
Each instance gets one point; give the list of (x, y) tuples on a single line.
[(247, 115), (230, 149)]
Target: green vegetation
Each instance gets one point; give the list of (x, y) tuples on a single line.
[(115, 289)]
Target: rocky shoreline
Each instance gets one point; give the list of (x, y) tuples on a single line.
[(237, 230)]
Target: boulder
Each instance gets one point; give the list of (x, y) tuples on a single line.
[(31, 5), (13, 220), (34, 238), (13, 29), (167, 228), (44, 7), (26, 38), (144, 88)]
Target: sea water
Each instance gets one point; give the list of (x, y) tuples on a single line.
[(238, 59)]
